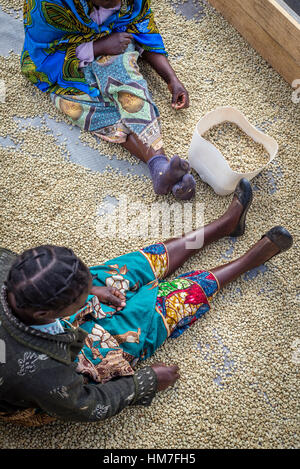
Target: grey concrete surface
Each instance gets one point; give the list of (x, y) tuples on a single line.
[(191, 9), (12, 33)]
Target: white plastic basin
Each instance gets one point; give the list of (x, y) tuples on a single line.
[(209, 162)]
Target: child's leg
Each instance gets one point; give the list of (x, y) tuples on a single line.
[(231, 222)]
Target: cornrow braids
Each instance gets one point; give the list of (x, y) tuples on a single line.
[(47, 277)]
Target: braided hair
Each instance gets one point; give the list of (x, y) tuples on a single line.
[(47, 277)]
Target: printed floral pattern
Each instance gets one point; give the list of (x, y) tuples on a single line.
[(117, 279), (28, 362), (112, 365), (61, 391), (101, 411), (116, 340), (92, 308)]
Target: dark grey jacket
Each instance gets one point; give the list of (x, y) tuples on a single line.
[(37, 370)]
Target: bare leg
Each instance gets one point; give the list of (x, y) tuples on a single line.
[(276, 240), (137, 148), (178, 253), (226, 225), (262, 251)]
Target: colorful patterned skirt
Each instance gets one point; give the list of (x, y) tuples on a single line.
[(186, 298), (155, 310), (124, 105)]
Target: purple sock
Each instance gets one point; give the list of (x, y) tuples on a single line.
[(185, 189), (165, 173)]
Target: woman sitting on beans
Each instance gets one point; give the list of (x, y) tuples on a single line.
[(73, 335), (84, 54)]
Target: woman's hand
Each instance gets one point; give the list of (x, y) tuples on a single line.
[(180, 96), (160, 63), (110, 296), (166, 375), (114, 44)]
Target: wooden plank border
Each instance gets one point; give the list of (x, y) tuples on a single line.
[(269, 28)]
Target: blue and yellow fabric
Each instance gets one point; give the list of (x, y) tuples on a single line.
[(123, 106)]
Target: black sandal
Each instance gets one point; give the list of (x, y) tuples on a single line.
[(243, 191)]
